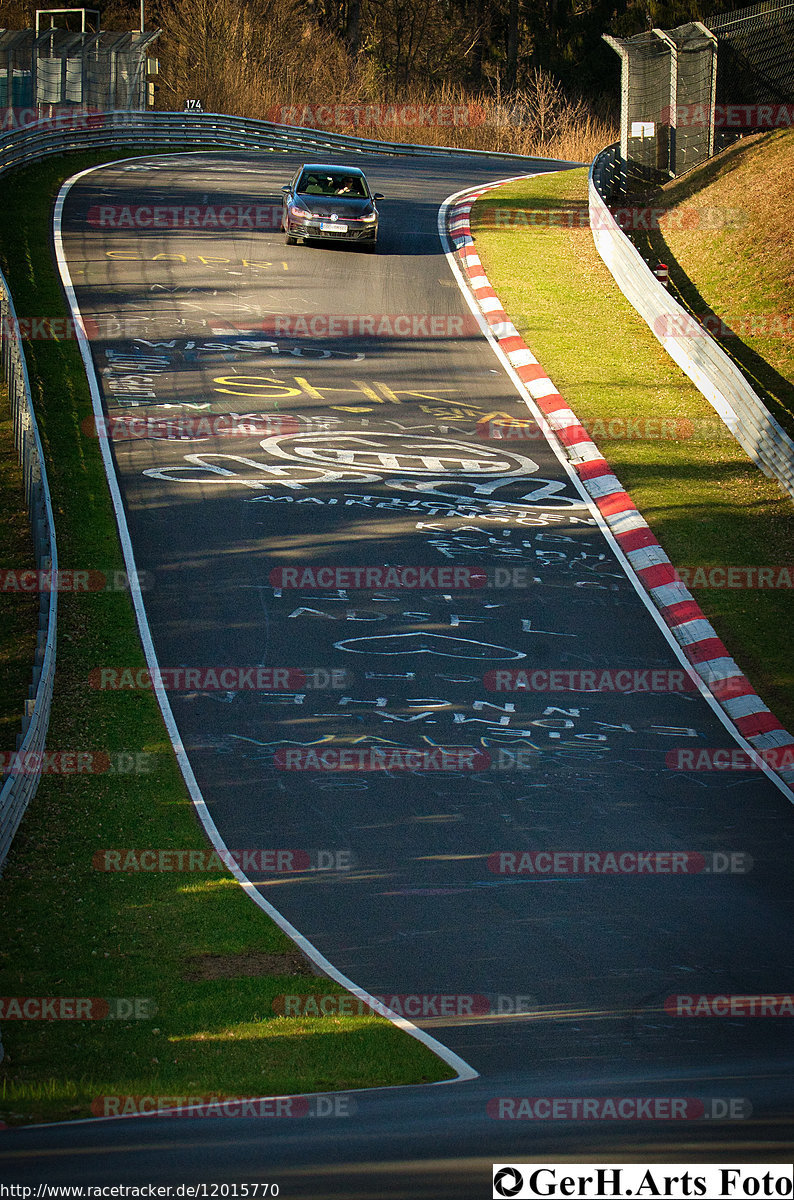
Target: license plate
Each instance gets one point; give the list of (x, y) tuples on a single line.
[(333, 227)]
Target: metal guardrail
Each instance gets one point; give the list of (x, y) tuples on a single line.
[(609, 173), (701, 358), (20, 786), (94, 130)]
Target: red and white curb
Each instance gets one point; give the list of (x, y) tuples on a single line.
[(707, 654)]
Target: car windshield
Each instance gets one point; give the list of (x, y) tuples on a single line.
[(319, 183)]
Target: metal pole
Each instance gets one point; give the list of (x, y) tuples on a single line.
[(712, 83), (625, 68), (142, 1), (673, 101)]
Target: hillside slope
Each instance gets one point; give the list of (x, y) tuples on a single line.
[(727, 238)]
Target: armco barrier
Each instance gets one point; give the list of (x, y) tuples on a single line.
[(704, 361), (113, 129), (19, 788)]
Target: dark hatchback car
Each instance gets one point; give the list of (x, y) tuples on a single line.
[(331, 203)]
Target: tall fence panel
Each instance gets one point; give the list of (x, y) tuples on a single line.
[(677, 84), (757, 50), (667, 84), (58, 68), (695, 91)]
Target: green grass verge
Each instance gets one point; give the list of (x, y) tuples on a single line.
[(72, 930), (726, 237), (702, 496)]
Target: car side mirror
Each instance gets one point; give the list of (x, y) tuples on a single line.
[(287, 187), (378, 196)]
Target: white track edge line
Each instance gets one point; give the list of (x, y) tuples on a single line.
[(464, 1070)]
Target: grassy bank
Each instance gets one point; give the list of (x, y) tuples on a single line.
[(725, 234), (210, 961), (705, 500)]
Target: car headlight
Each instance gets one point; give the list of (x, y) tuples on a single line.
[(295, 210), (370, 218)]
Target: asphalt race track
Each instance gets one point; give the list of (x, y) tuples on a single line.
[(363, 450)]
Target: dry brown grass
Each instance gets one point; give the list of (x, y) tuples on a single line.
[(265, 57), (453, 117)]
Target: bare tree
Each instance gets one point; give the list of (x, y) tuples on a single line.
[(512, 44)]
